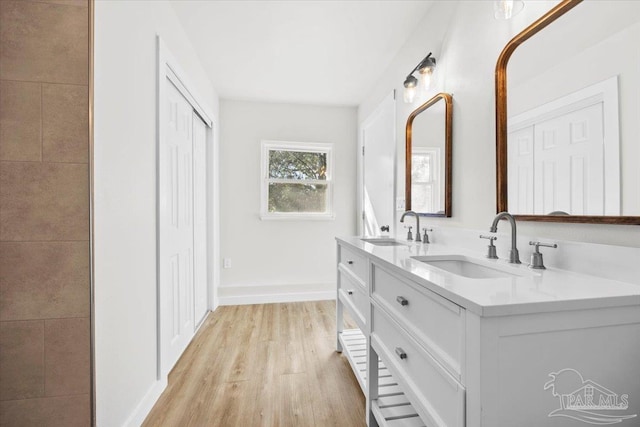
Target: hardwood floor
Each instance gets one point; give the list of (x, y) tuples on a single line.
[(263, 365)]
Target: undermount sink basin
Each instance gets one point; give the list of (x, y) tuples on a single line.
[(383, 241), (471, 268)]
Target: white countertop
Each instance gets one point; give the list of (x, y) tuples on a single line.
[(535, 292)]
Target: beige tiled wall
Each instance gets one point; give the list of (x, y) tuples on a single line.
[(44, 213)]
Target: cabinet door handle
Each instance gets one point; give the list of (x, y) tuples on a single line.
[(349, 262), (400, 352), (402, 300), (349, 292)]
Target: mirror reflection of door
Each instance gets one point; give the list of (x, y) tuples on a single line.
[(427, 160), (557, 153), (568, 152), (572, 115), (379, 150)]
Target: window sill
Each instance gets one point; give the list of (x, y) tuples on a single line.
[(297, 216)]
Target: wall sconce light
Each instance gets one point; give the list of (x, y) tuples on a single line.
[(507, 9), (412, 85)]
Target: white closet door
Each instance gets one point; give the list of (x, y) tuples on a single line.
[(200, 303), (176, 227)]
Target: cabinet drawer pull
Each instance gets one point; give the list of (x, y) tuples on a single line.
[(400, 352), (402, 300), (349, 292), (349, 262)]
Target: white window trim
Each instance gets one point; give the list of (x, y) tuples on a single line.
[(266, 146)]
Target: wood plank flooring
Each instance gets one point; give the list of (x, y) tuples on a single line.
[(263, 365)]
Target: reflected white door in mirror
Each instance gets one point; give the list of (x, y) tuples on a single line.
[(564, 155)]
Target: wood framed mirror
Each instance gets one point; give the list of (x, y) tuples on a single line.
[(428, 157), (567, 141)]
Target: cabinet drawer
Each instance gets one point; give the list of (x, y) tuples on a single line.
[(353, 296), (435, 394), (355, 263), (435, 322)]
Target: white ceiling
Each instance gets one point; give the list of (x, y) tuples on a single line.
[(311, 52)]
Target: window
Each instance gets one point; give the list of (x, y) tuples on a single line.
[(297, 180), (425, 189)]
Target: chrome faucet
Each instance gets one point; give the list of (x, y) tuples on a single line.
[(417, 224), (514, 256)]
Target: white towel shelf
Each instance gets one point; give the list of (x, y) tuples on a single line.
[(392, 404)]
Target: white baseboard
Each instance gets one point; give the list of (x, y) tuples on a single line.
[(265, 294), (139, 414)]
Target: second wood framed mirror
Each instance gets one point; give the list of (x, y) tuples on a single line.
[(566, 141), (428, 157)]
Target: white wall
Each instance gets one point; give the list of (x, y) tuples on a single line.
[(273, 258), (467, 40), (125, 202)]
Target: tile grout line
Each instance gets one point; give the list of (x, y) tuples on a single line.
[(1, 171), (56, 4), (42, 162), (44, 357), (41, 124), (42, 241), (43, 82), (44, 397), (44, 319)]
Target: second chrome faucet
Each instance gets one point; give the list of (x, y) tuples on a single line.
[(425, 236), (409, 235), (514, 255)]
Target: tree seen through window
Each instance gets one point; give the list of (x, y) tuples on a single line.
[(297, 181)]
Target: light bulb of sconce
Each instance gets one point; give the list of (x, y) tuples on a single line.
[(507, 9), (409, 94), (410, 85), (425, 78)]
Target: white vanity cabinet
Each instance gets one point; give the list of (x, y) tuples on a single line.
[(420, 337), (440, 358), (353, 296), (353, 281), (434, 322)]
